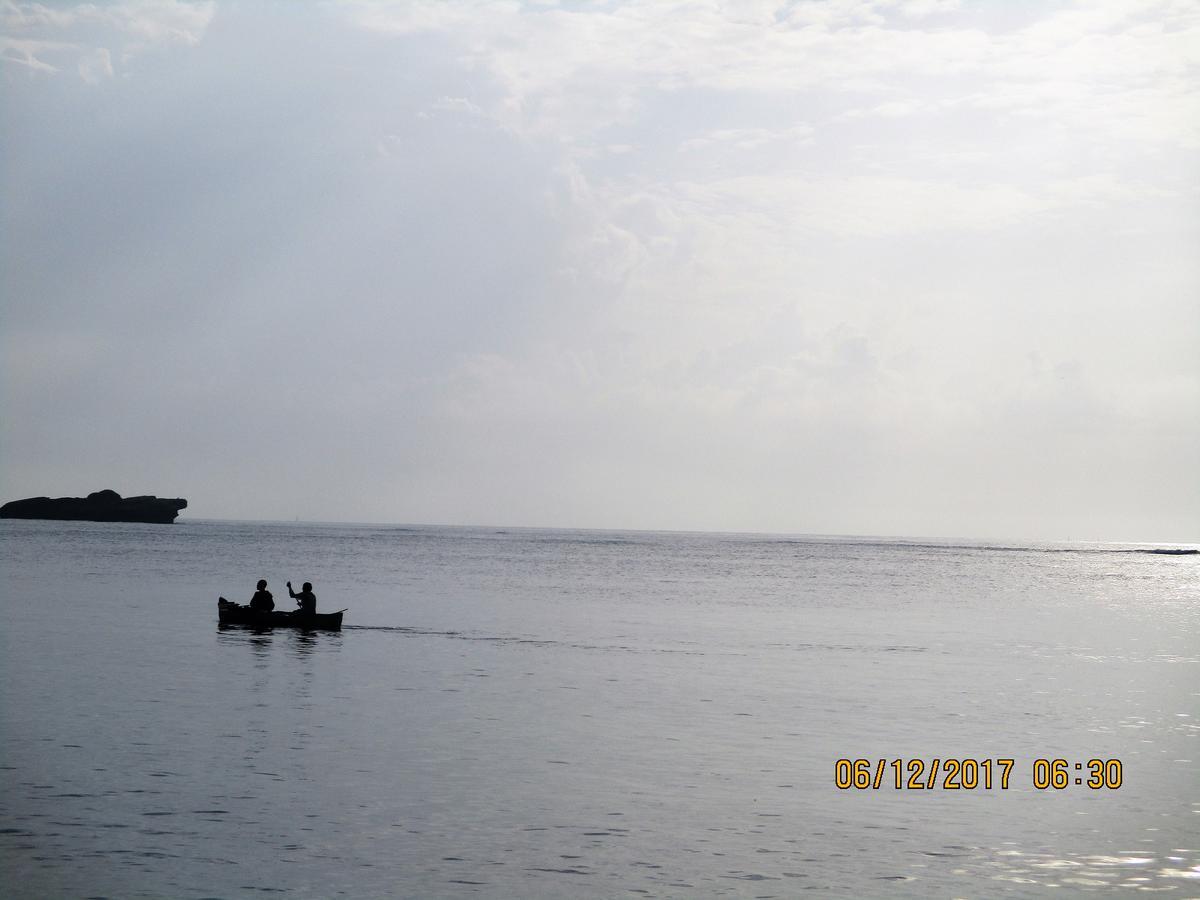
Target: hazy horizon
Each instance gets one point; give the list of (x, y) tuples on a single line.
[(828, 267), (983, 539)]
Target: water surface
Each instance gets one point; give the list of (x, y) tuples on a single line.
[(523, 713)]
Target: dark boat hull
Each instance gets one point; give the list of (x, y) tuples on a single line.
[(229, 613)]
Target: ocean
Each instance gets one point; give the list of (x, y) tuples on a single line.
[(548, 713)]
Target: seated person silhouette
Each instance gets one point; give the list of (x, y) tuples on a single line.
[(306, 599), (262, 601)]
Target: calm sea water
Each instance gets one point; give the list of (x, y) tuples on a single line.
[(521, 713)]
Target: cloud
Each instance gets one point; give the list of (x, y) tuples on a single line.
[(1073, 65), (95, 66), (750, 138), (88, 31), (29, 52), (918, 9), (648, 264), (161, 21), (456, 104)]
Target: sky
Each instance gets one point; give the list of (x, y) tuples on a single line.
[(889, 267)]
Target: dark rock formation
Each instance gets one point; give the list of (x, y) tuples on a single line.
[(102, 506)]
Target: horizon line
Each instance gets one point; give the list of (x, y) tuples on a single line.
[(697, 531)]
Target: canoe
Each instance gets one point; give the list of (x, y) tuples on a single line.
[(230, 613)]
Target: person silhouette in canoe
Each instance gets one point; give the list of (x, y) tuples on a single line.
[(262, 601), (306, 599)]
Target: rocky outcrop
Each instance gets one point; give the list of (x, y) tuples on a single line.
[(102, 506)]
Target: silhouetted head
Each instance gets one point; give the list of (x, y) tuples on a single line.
[(262, 584), (308, 585)]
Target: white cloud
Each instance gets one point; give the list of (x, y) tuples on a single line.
[(750, 138), (95, 66), (91, 30), (162, 21), (29, 52), (918, 9), (17, 15), (456, 104), (577, 70), (868, 206)]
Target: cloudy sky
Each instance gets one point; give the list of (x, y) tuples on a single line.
[(915, 267)]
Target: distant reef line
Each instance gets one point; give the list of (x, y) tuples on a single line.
[(101, 506)]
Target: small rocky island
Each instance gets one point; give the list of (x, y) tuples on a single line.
[(102, 506)]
